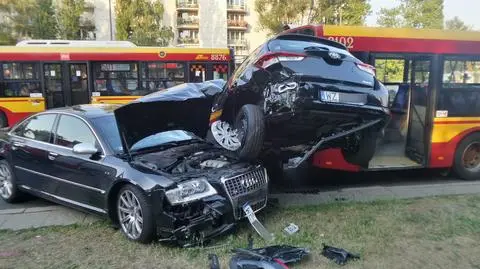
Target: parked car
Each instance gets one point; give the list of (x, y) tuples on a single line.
[(301, 93), (144, 165)]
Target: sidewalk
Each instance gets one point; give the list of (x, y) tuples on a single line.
[(373, 193), (34, 217)]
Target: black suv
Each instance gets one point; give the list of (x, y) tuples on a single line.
[(296, 94)]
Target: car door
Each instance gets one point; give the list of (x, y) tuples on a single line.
[(31, 143), (82, 179)]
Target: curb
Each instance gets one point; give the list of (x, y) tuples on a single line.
[(29, 210), (374, 193)]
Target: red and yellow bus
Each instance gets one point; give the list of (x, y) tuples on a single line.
[(41, 74), (433, 77)]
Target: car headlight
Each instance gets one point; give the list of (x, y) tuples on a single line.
[(189, 191)]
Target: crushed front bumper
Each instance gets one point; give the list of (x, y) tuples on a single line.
[(198, 222)]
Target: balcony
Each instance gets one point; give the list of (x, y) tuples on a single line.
[(188, 23), (237, 24), (186, 6), (188, 41), (237, 42), (237, 8)]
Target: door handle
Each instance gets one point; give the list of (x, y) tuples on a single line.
[(52, 155)]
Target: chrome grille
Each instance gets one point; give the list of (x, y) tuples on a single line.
[(251, 187)]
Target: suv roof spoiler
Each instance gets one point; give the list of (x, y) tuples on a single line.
[(302, 37)]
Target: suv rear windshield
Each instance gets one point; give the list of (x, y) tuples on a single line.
[(298, 46)]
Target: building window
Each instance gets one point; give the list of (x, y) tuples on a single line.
[(188, 37)]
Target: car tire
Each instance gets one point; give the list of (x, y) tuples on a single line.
[(365, 150), (131, 204), (8, 184), (250, 124), (468, 150)]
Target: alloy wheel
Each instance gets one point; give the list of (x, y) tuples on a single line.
[(6, 185), (225, 135), (130, 214)]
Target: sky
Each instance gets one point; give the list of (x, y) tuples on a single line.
[(466, 10)]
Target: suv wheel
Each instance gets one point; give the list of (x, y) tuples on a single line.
[(246, 136), (365, 149)]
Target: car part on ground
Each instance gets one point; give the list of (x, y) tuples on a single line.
[(338, 255), (214, 263), (309, 90), (271, 257), (256, 224)]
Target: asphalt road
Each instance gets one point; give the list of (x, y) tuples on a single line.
[(327, 181)]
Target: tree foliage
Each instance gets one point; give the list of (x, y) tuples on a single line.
[(457, 24), (69, 19), (41, 19), (273, 14), (28, 18), (413, 13), (140, 21)]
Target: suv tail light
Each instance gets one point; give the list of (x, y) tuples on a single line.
[(276, 57), (367, 68)]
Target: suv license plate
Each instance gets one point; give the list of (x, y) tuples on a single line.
[(332, 97)]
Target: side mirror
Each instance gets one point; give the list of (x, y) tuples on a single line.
[(85, 148)]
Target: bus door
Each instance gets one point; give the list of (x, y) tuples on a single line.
[(197, 72), (418, 116), (65, 84)]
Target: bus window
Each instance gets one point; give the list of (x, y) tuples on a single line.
[(197, 72), (20, 80), (220, 71), (159, 75), (116, 78), (460, 93), (391, 73)]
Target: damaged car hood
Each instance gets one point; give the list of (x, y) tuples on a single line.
[(183, 107)]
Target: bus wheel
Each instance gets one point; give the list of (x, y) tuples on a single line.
[(467, 158), (3, 120)]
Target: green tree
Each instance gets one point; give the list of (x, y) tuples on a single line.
[(140, 21), (44, 24), (457, 24), (413, 13), (27, 19), (71, 24), (273, 14)]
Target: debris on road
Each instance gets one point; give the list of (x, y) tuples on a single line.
[(338, 255), (291, 229), (271, 257), (257, 225)]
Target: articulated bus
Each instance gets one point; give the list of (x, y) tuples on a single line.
[(40, 74), (433, 77)]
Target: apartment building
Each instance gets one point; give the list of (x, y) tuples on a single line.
[(198, 23)]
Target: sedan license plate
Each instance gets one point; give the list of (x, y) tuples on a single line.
[(331, 97)]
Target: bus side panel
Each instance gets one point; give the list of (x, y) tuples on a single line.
[(16, 109), (446, 135), (333, 159)]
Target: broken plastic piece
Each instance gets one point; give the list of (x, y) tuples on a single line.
[(340, 256), (291, 229), (214, 263), (257, 225), (271, 257)]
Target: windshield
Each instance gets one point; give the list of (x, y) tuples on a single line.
[(107, 126), (298, 46)]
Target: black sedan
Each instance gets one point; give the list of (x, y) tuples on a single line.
[(144, 165)]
